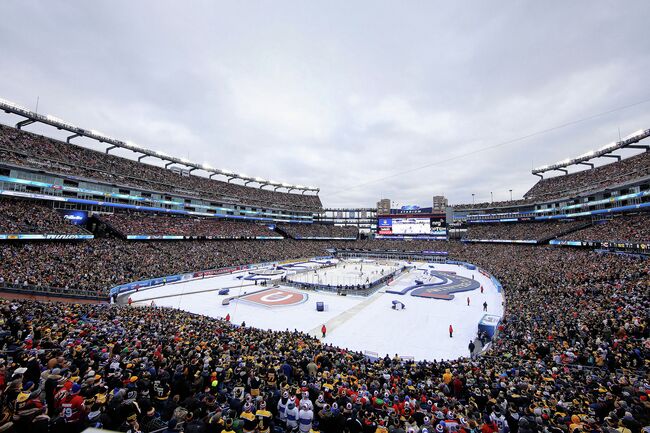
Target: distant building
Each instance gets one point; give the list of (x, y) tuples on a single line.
[(383, 206), (440, 202)]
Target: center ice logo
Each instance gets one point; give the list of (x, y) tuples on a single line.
[(275, 298)]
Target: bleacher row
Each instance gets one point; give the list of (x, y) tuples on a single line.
[(29, 150), (31, 217), (595, 179), (109, 260), (532, 231), (633, 228), (28, 217)]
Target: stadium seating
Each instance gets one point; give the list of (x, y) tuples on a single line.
[(30, 150), (494, 205), (321, 231), (632, 228), (570, 356), (595, 179), (99, 264), (536, 231), (28, 217), (146, 224)]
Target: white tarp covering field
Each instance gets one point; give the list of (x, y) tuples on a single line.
[(359, 323)]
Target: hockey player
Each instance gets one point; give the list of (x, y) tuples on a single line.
[(485, 306), (451, 331)]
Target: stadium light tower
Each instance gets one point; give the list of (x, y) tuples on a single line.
[(473, 198), (491, 197), (510, 195)]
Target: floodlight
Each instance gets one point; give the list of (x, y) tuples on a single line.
[(53, 118), (12, 104), (635, 134), (99, 134)]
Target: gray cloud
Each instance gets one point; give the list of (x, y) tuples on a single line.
[(339, 94)]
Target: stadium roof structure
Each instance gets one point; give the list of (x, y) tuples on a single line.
[(604, 152), (33, 117)]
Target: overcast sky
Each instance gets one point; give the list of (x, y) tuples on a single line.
[(353, 97)]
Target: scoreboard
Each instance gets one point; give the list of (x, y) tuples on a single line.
[(410, 224)]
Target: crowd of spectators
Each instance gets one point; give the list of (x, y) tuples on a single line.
[(99, 264), (393, 245), (320, 231), (598, 178), (31, 150), (571, 356), (537, 231), (624, 228), (28, 217), (148, 224), (594, 179), (494, 204)]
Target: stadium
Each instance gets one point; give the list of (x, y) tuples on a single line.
[(143, 291)]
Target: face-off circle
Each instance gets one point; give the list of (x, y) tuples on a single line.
[(275, 297)]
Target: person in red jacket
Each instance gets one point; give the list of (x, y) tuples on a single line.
[(72, 407), (451, 331), (323, 330)]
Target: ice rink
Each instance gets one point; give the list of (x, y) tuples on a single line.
[(351, 272), (354, 322)]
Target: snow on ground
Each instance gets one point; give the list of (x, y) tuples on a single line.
[(356, 322)]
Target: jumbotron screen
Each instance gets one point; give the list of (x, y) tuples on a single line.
[(411, 226)]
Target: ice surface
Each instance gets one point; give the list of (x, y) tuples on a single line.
[(358, 323)]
